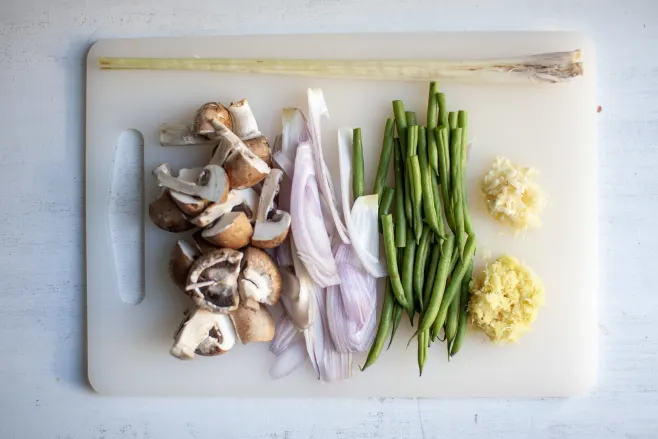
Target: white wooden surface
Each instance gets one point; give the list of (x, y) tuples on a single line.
[(44, 392)]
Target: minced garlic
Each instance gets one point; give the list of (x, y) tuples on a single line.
[(512, 195), (505, 299)]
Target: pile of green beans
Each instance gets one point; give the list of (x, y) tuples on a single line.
[(430, 266)]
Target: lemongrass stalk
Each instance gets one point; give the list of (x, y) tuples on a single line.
[(543, 68)]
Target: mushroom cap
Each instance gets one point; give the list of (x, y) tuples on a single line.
[(188, 204), (209, 111), (232, 230), (253, 324), (260, 279), (166, 215), (204, 333), (271, 233), (183, 256), (222, 267), (261, 147), (201, 244)]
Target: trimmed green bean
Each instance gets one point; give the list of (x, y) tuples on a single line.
[(400, 123), (462, 122), (417, 200), (443, 109), (382, 329), (400, 216), (385, 203), (432, 308), (358, 186), (430, 272), (384, 158), (419, 268), (455, 282), (432, 122), (425, 182), (452, 120), (412, 140), (457, 204), (463, 312), (391, 260), (407, 276), (411, 118), (444, 172), (436, 197)]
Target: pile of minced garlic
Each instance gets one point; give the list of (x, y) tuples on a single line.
[(512, 195), (505, 299)]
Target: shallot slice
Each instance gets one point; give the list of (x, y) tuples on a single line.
[(285, 334), (288, 360)]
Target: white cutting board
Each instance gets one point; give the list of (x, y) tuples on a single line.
[(551, 127)]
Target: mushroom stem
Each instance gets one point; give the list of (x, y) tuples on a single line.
[(244, 121), (209, 283), (181, 135), (211, 185)]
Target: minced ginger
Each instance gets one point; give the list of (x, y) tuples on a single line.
[(512, 195), (505, 299)]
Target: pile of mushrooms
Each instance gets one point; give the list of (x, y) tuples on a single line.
[(228, 276)]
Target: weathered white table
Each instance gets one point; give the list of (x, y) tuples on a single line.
[(43, 387)]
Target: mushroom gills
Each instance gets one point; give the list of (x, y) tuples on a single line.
[(260, 279), (204, 333), (221, 267)]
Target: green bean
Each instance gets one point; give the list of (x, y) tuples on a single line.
[(425, 182), (414, 165), (444, 172), (455, 282), (412, 140), (432, 121), (432, 308), (395, 320), (453, 261), (419, 267), (411, 118), (443, 111), (384, 159), (456, 178), (463, 312), (452, 120), (462, 122), (408, 205), (452, 320), (400, 217), (400, 123), (436, 197), (382, 329), (357, 164), (430, 272), (385, 203), (391, 260), (407, 276), (422, 350)]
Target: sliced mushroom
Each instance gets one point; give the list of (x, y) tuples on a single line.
[(261, 147), (238, 200), (260, 279), (181, 135), (204, 116), (271, 224), (243, 167), (189, 204), (165, 214), (213, 280), (232, 230), (253, 324), (295, 301), (182, 258), (211, 185), (203, 333)]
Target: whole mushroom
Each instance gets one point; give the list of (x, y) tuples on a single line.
[(206, 114), (204, 333)]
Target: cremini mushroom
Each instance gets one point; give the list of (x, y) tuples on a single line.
[(213, 280), (211, 185), (295, 300), (171, 134), (204, 116), (166, 215), (182, 258), (201, 243), (189, 204), (253, 324), (246, 128), (243, 167), (231, 230), (238, 200), (260, 279), (271, 224), (203, 333)]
